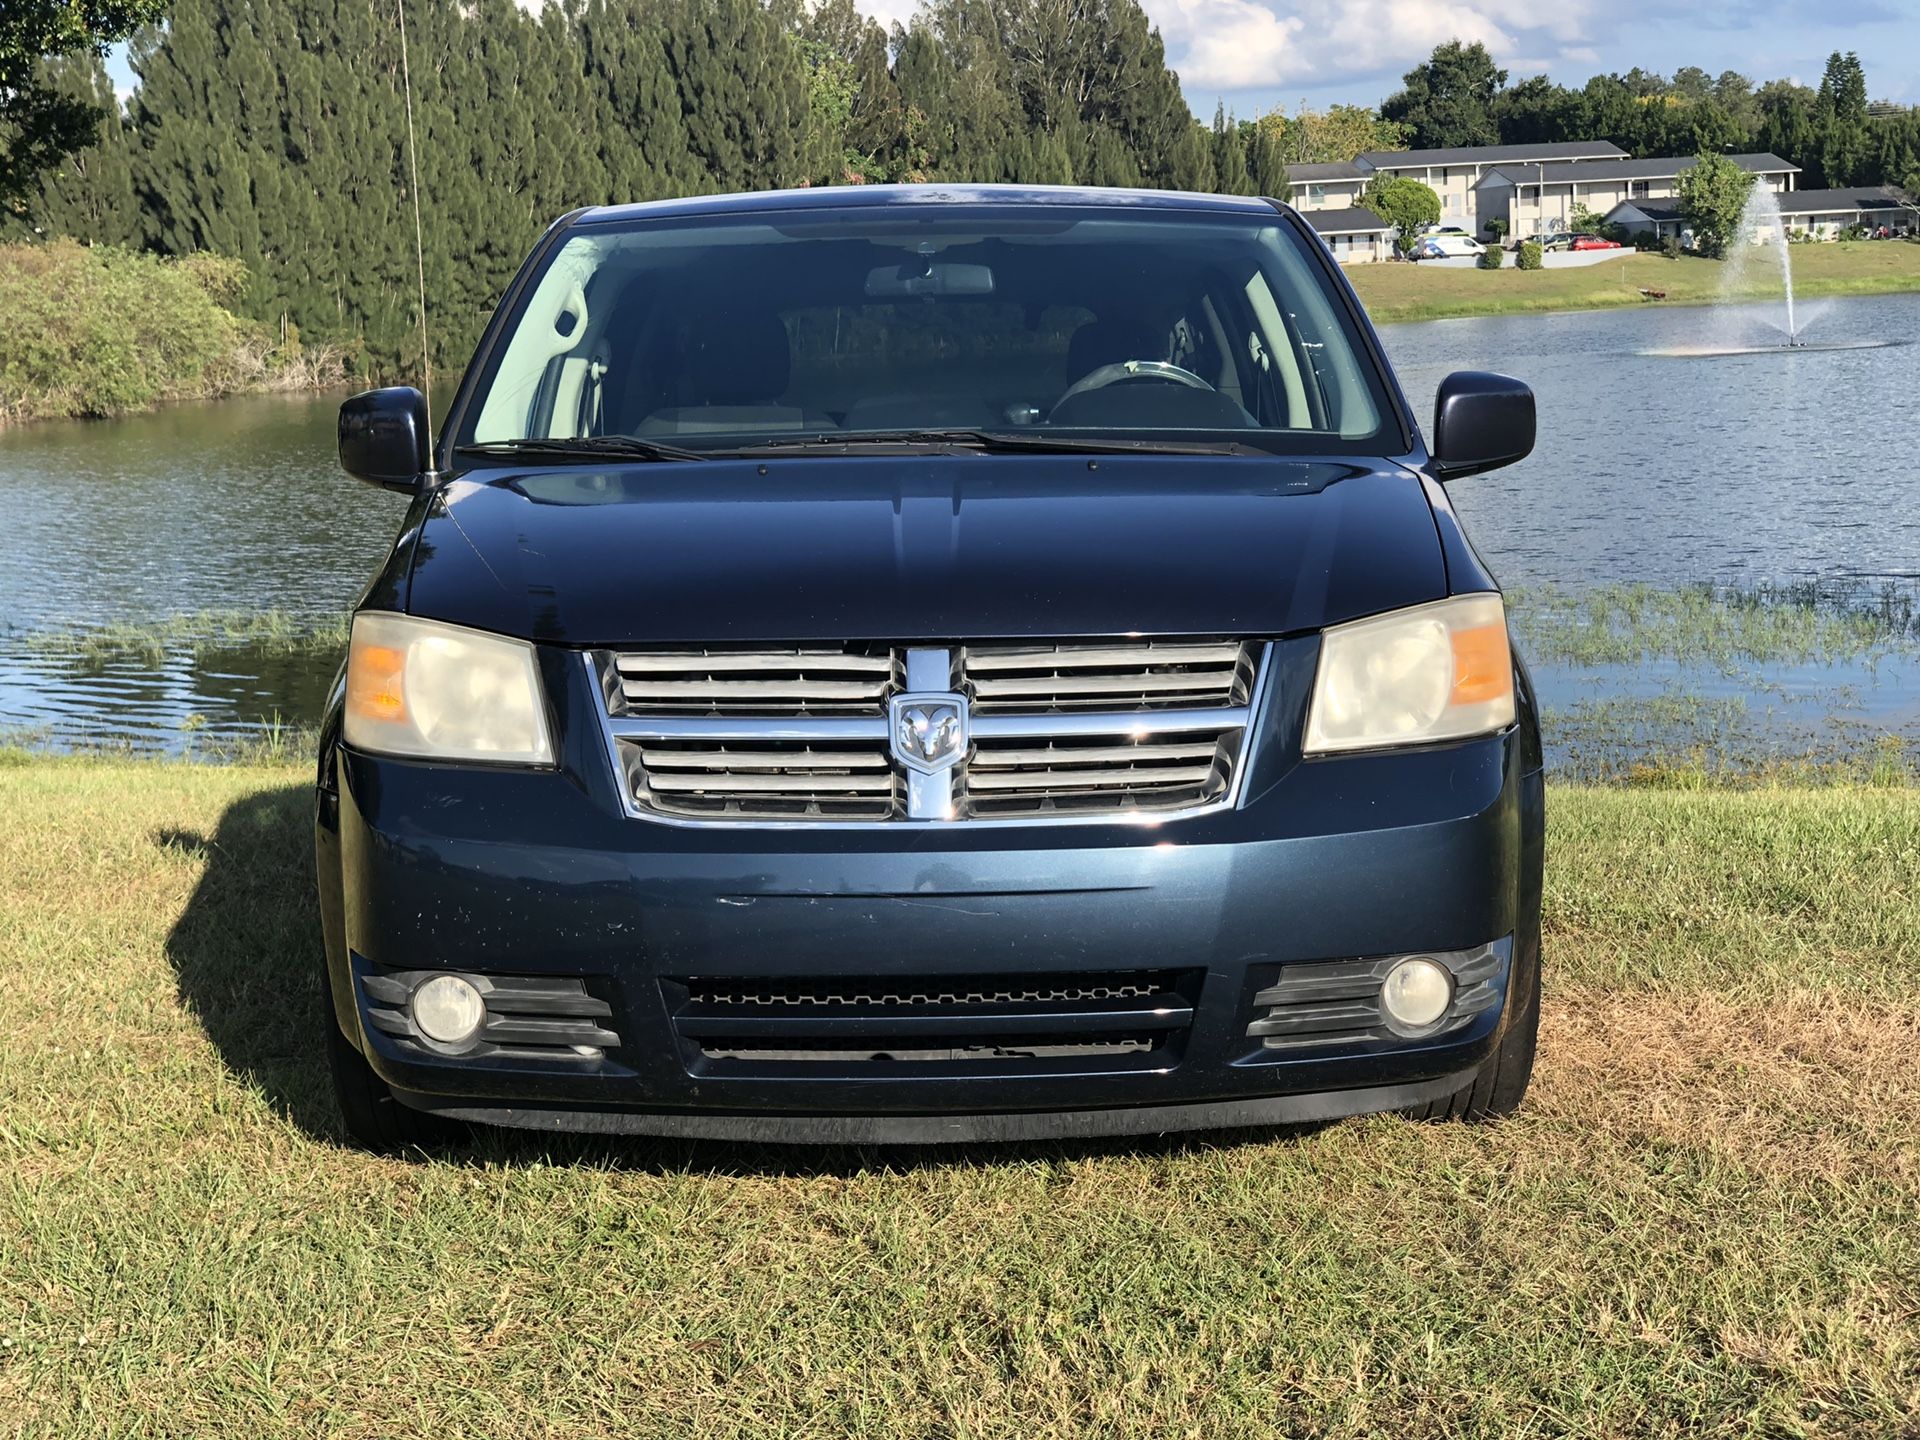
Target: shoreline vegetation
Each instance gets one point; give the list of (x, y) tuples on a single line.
[(187, 1246), (97, 331), (1397, 294)]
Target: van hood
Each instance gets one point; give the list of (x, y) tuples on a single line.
[(946, 547)]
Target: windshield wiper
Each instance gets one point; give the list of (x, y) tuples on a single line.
[(1008, 442), (583, 447)]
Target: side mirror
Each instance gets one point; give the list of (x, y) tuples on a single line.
[(1480, 422), (383, 437)]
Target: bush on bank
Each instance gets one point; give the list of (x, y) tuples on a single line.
[(97, 330)]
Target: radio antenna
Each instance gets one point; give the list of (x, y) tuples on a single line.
[(419, 232)]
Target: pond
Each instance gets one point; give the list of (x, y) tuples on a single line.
[(1787, 482)]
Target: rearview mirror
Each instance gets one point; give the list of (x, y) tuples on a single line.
[(1481, 421), (921, 276), (383, 437)]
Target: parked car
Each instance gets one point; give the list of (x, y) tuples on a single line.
[(1585, 241), (1447, 241), (1554, 240), (927, 664)]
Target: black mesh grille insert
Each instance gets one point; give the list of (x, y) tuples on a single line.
[(999, 990), (858, 1021)]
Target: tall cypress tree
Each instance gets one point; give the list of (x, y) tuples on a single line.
[(1229, 155), (1841, 110)]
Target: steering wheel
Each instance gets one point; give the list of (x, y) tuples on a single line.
[(1129, 371)]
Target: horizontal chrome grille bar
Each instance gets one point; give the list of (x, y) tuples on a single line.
[(984, 660), (830, 728), (722, 662)]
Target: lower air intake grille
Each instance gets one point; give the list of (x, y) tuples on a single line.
[(864, 1021)]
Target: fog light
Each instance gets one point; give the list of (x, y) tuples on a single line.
[(1416, 993), (448, 1010)]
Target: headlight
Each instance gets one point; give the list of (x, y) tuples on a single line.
[(418, 687), (1434, 672)]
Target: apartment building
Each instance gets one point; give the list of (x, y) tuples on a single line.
[(1537, 198)]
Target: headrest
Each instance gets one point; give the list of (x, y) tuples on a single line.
[(737, 358)]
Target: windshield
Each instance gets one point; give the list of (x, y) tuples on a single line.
[(727, 334)]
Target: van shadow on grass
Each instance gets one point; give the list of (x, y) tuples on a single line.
[(247, 956), (246, 952)]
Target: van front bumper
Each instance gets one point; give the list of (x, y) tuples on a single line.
[(929, 983)]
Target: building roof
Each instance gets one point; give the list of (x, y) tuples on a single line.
[(1661, 212), (1658, 167), (1352, 220), (1494, 154), (1859, 197), (1340, 170)]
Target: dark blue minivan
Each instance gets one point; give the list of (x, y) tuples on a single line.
[(929, 663)]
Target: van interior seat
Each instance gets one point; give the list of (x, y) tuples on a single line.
[(733, 377)]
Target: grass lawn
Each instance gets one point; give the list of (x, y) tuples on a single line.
[(1705, 1222), (1422, 292)]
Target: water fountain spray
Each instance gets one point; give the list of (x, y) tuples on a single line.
[(1762, 228)]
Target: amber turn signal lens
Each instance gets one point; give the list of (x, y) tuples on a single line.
[(1482, 665), (375, 676)]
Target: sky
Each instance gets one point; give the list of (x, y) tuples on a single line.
[(1259, 54)]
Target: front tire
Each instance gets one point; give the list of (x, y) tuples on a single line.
[(1502, 1082), (372, 1118)]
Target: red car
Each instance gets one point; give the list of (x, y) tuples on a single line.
[(1593, 242)]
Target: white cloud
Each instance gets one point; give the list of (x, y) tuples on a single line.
[(1245, 44), (1219, 46)]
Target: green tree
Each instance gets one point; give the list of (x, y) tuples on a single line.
[(1229, 156), (1840, 110), (1538, 112), (1405, 204), (642, 132), (1448, 100), (40, 119), (89, 195), (1787, 126), (1326, 137), (1712, 194), (1266, 163), (1611, 111)]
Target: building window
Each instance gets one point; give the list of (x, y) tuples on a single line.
[(1316, 194), (1638, 190)]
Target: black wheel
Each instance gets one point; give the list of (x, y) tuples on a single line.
[(372, 1118), (1502, 1082)]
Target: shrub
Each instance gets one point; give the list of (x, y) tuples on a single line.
[(1492, 258), (96, 330), (1646, 240), (1670, 247), (1532, 256)]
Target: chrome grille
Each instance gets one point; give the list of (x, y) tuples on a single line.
[(764, 779), (1078, 730), (1152, 772), (1131, 675), (828, 681)]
